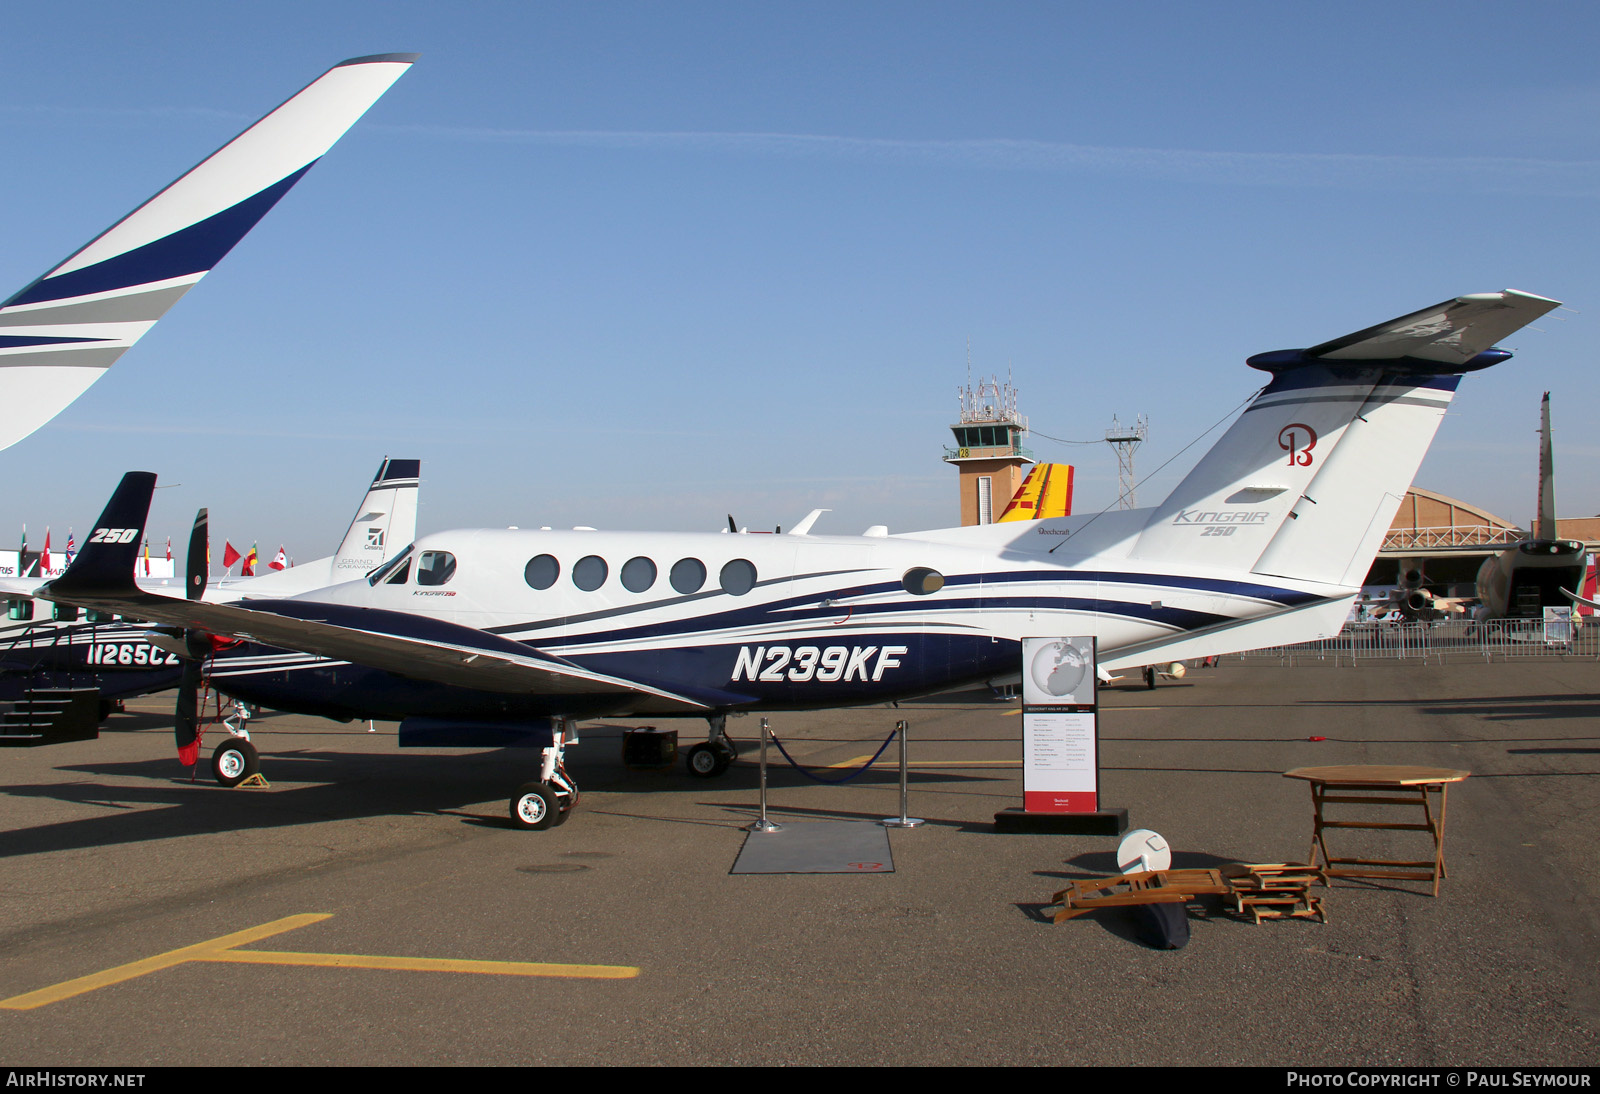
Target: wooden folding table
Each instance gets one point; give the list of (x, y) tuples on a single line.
[(1380, 784)]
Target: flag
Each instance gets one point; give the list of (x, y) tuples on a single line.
[(72, 548), (169, 549), (249, 569), (229, 555), (146, 556), (280, 560), (44, 560)]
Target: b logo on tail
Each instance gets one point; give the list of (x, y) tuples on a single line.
[(1298, 439)]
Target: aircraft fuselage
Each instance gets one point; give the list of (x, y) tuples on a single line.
[(739, 621)]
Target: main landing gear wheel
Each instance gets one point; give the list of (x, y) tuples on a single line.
[(536, 806), (234, 761), (706, 761)]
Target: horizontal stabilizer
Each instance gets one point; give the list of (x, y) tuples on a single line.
[(1452, 337), (1305, 483)]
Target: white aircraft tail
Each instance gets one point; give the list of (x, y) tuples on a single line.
[(385, 522), (60, 334), (1306, 482)]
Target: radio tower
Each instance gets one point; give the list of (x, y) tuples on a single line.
[(1126, 440)]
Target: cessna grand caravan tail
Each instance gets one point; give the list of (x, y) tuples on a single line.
[(385, 522), (1265, 541), (60, 333)]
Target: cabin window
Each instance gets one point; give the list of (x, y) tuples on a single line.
[(590, 573), (638, 574), (920, 581), (738, 577), (435, 567), (541, 572), (64, 613), (688, 575)]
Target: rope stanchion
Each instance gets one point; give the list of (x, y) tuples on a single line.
[(763, 824), (902, 821)]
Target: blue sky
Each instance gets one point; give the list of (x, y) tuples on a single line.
[(642, 265)]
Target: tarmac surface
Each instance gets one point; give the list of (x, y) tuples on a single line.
[(109, 855)]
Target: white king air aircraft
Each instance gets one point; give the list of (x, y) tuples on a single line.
[(475, 637), (60, 333)]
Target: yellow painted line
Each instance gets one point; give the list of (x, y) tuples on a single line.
[(200, 951), (223, 950), (426, 964)]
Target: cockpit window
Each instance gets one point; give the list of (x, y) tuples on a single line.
[(383, 571), (399, 576), (435, 567)]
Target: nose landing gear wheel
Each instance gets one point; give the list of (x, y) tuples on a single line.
[(234, 761), (536, 807)]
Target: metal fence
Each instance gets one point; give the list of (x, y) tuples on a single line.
[(1455, 642)]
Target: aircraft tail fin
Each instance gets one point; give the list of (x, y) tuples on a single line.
[(1546, 527), (60, 333), (106, 563), (385, 522), (1307, 480), (1045, 492)]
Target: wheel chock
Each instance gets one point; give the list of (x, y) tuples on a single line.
[(254, 782)]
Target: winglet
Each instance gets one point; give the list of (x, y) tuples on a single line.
[(106, 563), (61, 332)]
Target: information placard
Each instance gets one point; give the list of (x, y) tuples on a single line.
[(1060, 731)]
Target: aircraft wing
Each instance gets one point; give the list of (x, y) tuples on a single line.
[(60, 333), (1453, 332), (19, 586), (101, 577)]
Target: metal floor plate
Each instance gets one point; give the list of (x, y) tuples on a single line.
[(817, 847)]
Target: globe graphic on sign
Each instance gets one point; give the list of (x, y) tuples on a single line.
[(1058, 668)]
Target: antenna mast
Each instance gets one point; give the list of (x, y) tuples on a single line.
[(1126, 440)]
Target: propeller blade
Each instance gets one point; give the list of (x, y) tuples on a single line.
[(732, 527), (186, 718), (199, 550)]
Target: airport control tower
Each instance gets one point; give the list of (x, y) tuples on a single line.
[(988, 449)]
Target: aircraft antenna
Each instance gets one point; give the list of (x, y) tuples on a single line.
[(1125, 440)]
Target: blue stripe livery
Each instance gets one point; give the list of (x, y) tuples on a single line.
[(190, 250)]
